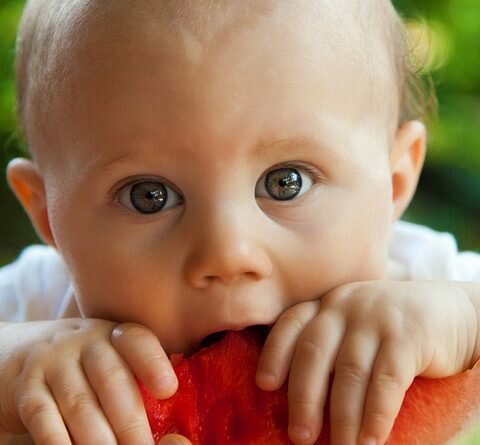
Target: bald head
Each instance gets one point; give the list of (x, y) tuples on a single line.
[(56, 36)]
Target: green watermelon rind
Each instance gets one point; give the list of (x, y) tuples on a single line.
[(471, 435)]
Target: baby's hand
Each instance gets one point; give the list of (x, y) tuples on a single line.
[(73, 380), (375, 337)]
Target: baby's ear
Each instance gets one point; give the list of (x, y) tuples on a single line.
[(406, 162), (27, 183)]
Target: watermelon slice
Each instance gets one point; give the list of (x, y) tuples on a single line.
[(219, 403)]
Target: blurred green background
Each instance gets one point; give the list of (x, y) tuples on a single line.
[(448, 198)]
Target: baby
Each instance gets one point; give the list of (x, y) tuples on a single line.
[(202, 166)]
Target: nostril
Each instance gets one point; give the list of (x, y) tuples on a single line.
[(253, 275), (230, 266), (224, 279)]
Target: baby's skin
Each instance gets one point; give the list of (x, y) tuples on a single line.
[(203, 166)]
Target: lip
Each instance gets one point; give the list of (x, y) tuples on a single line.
[(212, 338), (216, 335)]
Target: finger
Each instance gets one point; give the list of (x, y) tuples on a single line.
[(174, 439), (41, 417), (79, 406), (118, 394), (279, 347), (391, 377), (353, 367), (309, 377), (141, 349)]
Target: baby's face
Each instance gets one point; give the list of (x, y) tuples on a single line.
[(208, 181)]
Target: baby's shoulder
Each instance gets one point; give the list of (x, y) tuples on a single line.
[(428, 254), (419, 238), (33, 286)]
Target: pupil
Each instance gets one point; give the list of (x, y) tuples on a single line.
[(148, 197), (283, 184)]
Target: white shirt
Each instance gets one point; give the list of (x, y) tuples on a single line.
[(36, 285)]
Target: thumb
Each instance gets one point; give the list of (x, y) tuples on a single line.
[(174, 439)]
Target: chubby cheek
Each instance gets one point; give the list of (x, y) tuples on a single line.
[(133, 294), (120, 281), (117, 284), (343, 245), (112, 272)]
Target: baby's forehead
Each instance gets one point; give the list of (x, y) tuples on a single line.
[(86, 33), (358, 24)]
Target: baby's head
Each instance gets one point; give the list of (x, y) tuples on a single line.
[(204, 165)]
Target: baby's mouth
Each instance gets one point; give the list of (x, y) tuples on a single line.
[(215, 337), (211, 339)]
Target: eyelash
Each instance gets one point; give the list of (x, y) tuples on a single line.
[(114, 195), (313, 172)]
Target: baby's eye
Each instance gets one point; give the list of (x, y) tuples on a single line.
[(283, 184), (149, 197)]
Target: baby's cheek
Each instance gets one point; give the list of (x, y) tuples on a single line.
[(108, 289), (324, 262)]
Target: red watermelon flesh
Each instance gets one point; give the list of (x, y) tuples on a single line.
[(218, 402)]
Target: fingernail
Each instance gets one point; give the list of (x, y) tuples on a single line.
[(300, 432), (369, 441), (165, 383), (169, 441), (266, 378)]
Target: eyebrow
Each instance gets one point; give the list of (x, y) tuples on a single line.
[(283, 144), (298, 144), (104, 165)]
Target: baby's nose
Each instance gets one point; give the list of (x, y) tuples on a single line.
[(226, 249)]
